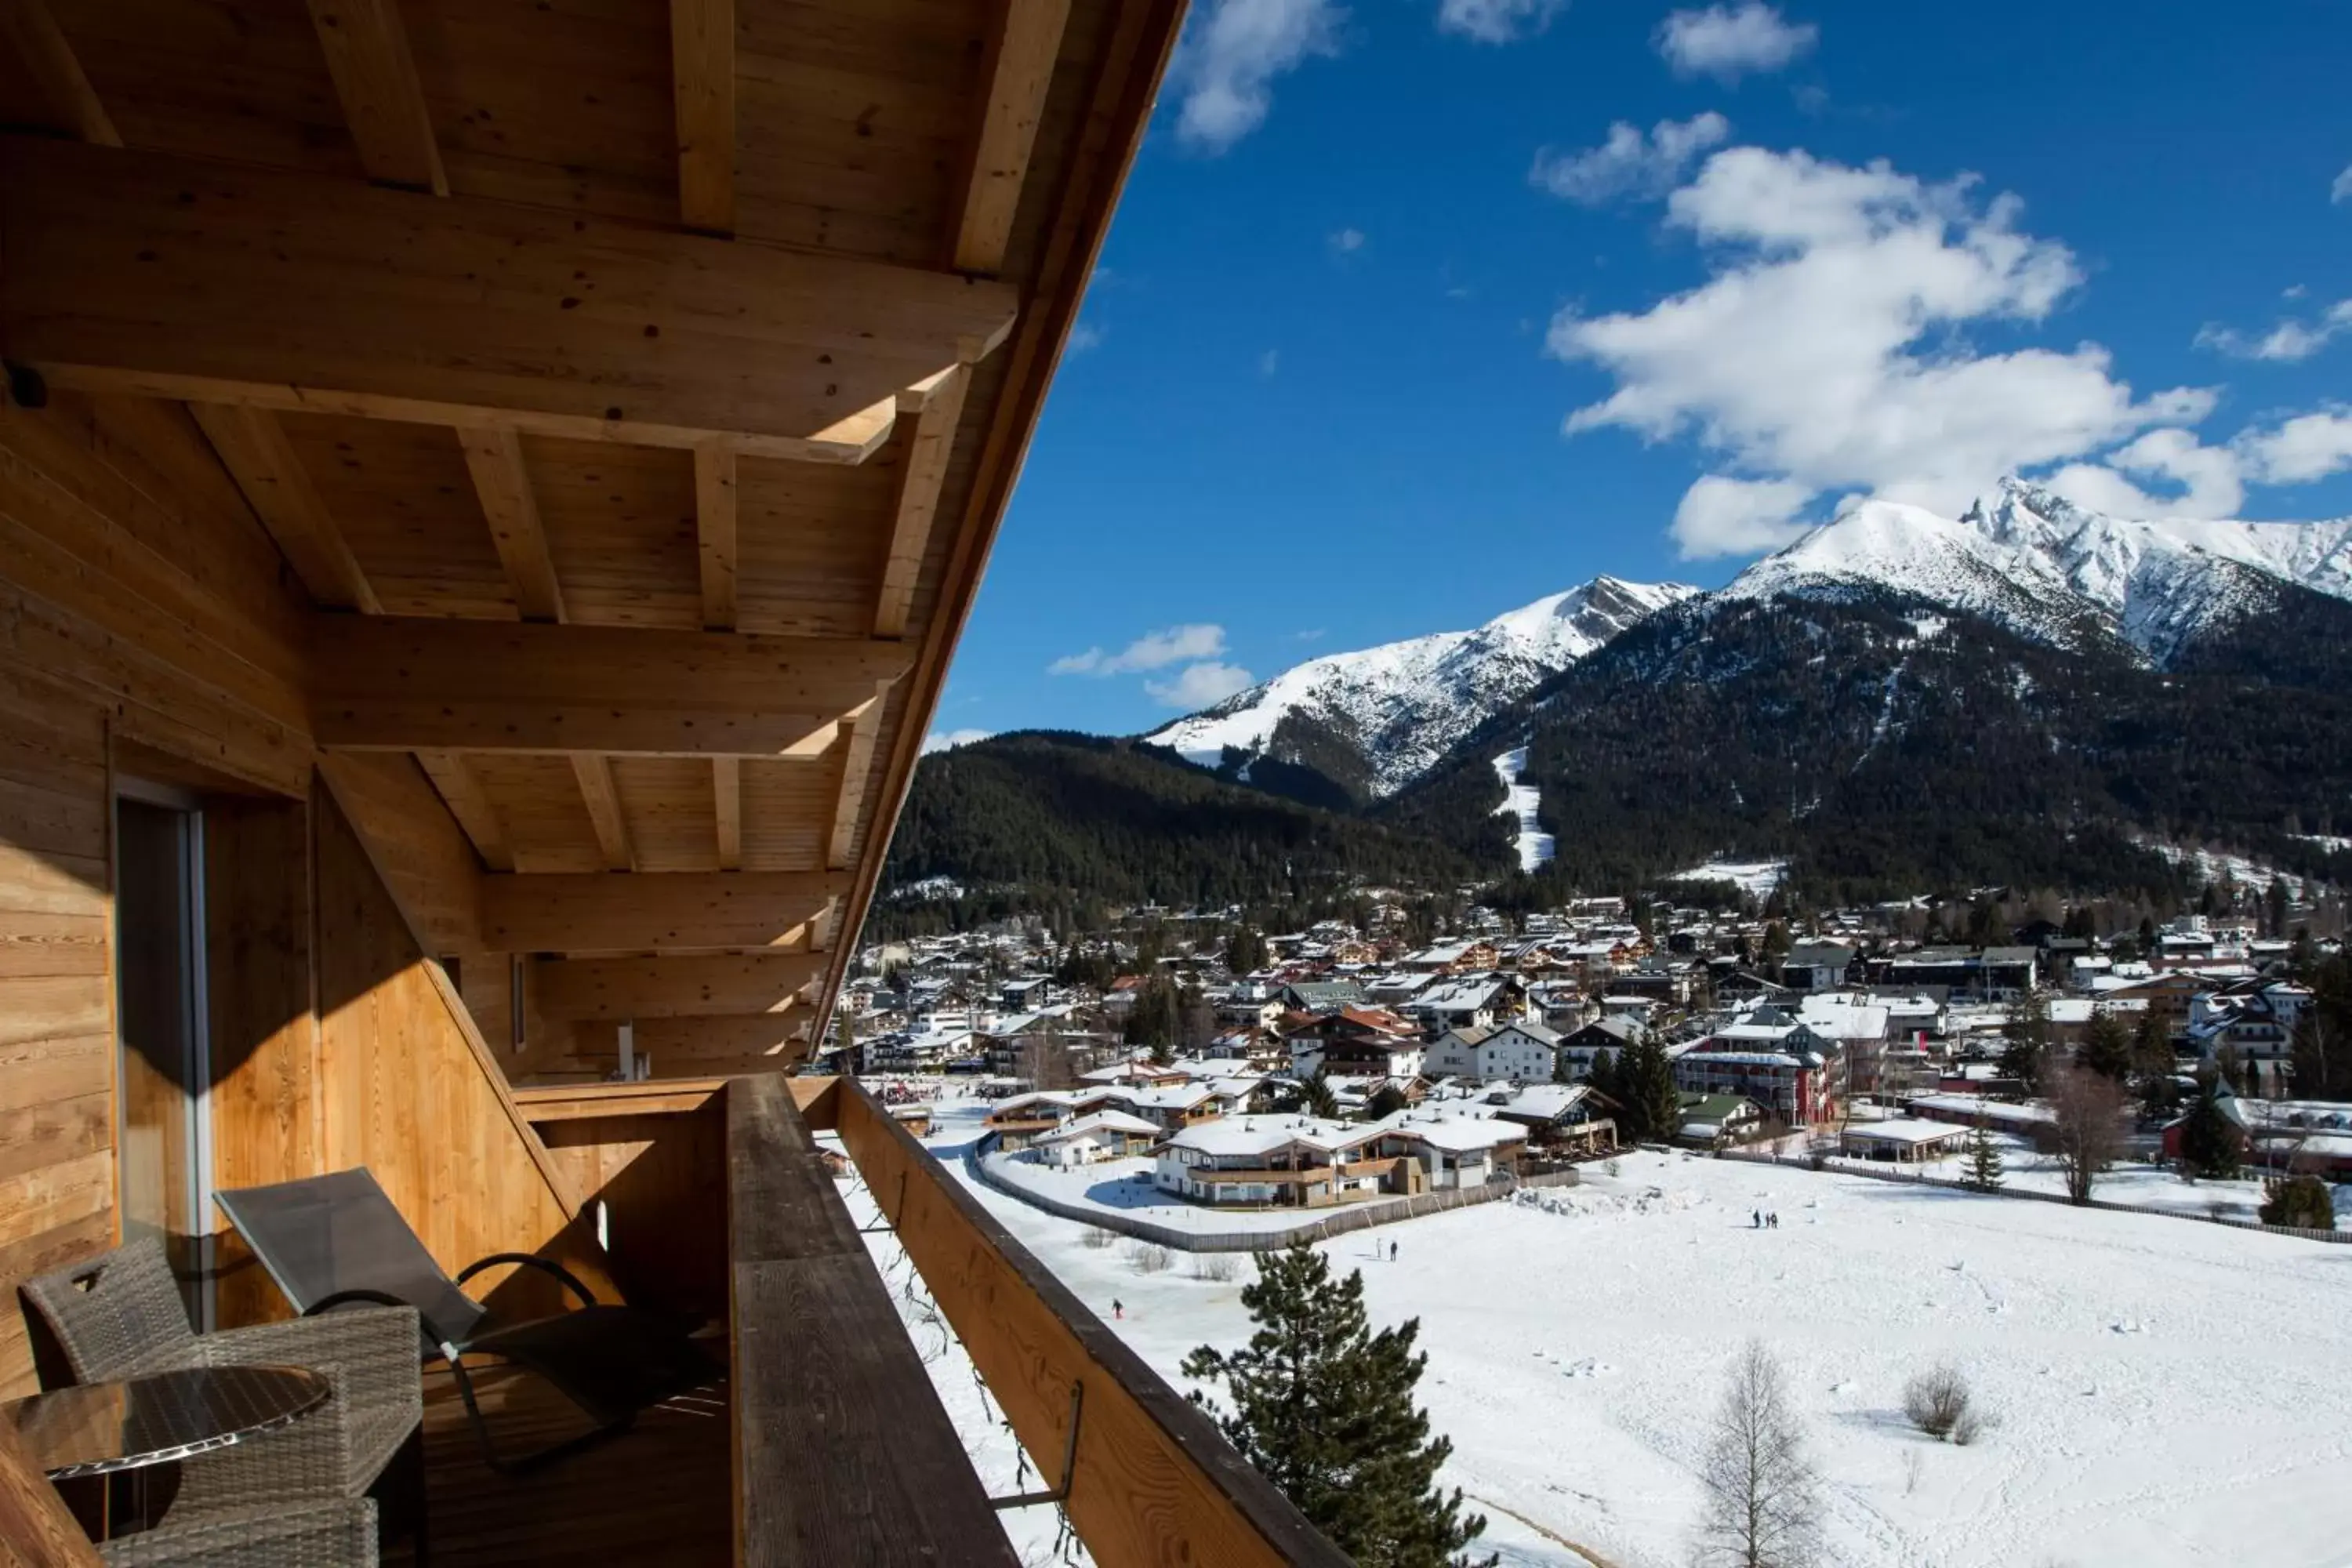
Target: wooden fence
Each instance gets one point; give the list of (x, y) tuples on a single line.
[(1921, 1179), (1337, 1222)]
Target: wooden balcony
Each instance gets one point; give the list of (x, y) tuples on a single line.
[(826, 1445)]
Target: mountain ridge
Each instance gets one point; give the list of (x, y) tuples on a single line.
[(1401, 705)]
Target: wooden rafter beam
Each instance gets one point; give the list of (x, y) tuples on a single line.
[(1017, 73), (616, 988), (603, 798), (401, 683), (383, 97), (138, 272), (461, 790), (702, 71), (857, 762), (714, 527), (727, 810), (919, 497), (510, 506), (68, 105), (653, 911), (427, 864), (253, 448)]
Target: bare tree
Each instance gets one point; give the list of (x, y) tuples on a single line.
[(2085, 1129), (1762, 1496), (1045, 1061)]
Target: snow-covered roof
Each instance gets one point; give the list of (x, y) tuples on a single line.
[(1908, 1131), (1234, 1135), (1103, 1121), (1543, 1101)]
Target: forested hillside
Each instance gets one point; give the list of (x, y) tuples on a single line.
[(1031, 819), (1887, 747)]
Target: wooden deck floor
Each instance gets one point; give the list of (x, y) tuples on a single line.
[(660, 1493)]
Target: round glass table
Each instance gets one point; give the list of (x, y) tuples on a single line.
[(103, 1427)]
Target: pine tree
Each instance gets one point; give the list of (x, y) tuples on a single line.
[(2107, 1047), (2026, 1056), (1642, 1081), (1984, 1159), (2211, 1144), (1323, 1406)]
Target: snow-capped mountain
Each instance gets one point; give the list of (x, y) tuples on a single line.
[(1400, 707), (2061, 574)]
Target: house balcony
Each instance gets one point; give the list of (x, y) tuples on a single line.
[(826, 1443)]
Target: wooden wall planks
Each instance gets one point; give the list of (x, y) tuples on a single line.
[(57, 1164)]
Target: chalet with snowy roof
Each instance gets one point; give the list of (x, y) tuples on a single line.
[(1816, 965), (2254, 1020), (1573, 1118), (1321, 995), (1356, 1041), (1905, 1139), (1453, 1149), (1717, 1121), (1521, 1052), (1099, 1135), (1478, 1001), (1264, 1161), (1580, 1050)]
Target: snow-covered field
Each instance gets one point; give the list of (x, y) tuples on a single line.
[(1757, 878), (1522, 802), (2146, 1187), (2165, 1392)]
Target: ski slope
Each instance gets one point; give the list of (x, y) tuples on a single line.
[(1523, 802), (2167, 1394)]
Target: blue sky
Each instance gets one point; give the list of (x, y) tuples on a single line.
[(1415, 310)]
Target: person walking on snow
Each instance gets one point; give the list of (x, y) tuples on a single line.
[(1392, 1251), (1756, 1219), (1117, 1311)]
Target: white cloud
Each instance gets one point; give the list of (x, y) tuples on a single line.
[(1824, 351), (1497, 21), (1347, 239), (1628, 162), (2308, 447), (1231, 55), (1269, 362), (2341, 191), (1152, 650), (1726, 42), (2290, 340), (949, 740), (1199, 685), (1722, 516), (1313, 635), (2209, 479), (1084, 336)]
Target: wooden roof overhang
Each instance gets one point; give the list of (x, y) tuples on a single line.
[(632, 390)]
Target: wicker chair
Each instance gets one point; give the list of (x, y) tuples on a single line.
[(334, 1534), (118, 1315)]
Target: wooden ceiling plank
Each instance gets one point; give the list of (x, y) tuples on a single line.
[(714, 525), (253, 448), (140, 272), (702, 70), (679, 986), (603, 801), (382, 99), (918, 499), (510, 506), (70, 106), (653, 912), (1018, 72), (727, 807), (461, 790), (412, 683), (856, 761)]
